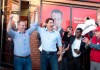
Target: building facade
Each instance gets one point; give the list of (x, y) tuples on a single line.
[(74, 12)]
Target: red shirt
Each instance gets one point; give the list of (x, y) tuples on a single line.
[(95, 54)]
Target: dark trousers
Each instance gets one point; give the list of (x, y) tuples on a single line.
[(49, 59), (87, 60), (64, 64), (77, 63)]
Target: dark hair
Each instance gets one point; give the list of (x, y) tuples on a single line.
[(20, 21), (80, 29), (70, 27), (56, 11), (87, 18), (47, 20)]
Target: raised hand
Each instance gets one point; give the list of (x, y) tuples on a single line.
[(11, 16), (9, 23), (36, 16)]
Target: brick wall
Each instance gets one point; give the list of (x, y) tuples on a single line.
[(35, 54)]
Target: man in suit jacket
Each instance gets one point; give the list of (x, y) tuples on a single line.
[(76, 50)]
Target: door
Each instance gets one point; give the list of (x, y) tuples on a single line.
[(24, 12), (6, 49)]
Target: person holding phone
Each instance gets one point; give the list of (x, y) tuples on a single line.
[(76, 50)]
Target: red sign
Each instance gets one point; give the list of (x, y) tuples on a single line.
[(79, 15)]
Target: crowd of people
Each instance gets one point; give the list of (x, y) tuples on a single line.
[(61, 50)]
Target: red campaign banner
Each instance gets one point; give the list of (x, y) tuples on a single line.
[(62, 19), (79, 15)]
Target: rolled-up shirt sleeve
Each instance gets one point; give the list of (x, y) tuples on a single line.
[(59, 42), (96, 46), (11, 33), (32, 28)]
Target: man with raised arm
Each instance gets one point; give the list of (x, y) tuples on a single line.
[(21, 39), (49, 39)]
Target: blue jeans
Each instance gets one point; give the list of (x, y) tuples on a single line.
[(49, 59), (22, 63)]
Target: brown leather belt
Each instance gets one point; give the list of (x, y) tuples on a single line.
[(22, 56)]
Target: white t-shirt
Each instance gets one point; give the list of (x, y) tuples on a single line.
[(76, 45)]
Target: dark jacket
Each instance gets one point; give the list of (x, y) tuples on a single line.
[(70, 40)]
